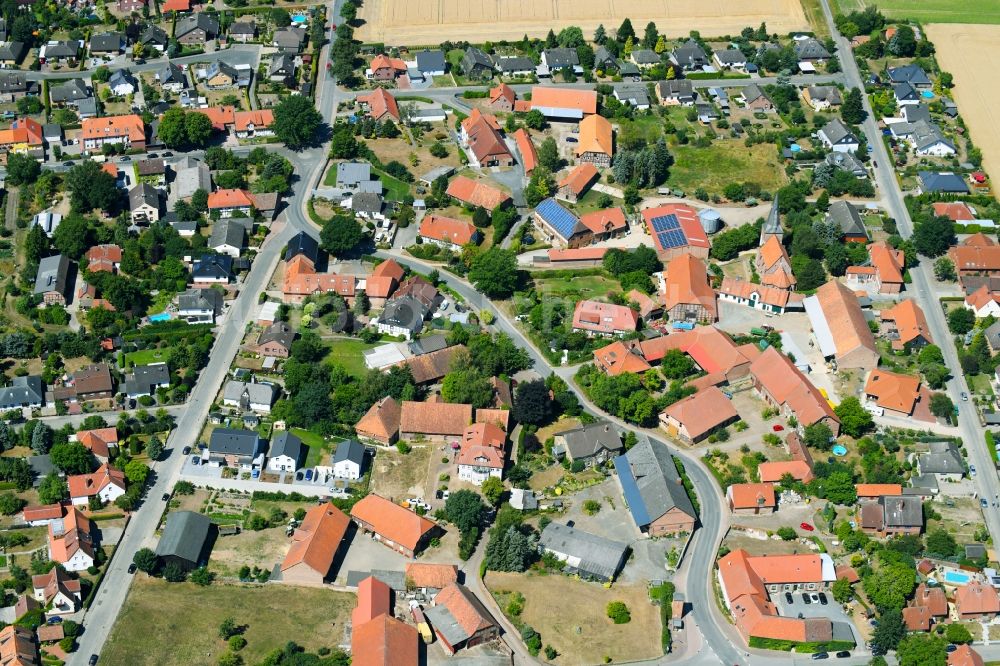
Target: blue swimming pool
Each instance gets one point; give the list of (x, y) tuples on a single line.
[(839, 450), (299, 18), (956, 577), (927, 94), (163, 316)]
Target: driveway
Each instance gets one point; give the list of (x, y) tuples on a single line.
[(832, 610), (365, 554)]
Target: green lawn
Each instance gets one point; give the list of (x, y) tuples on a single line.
[(931, 11), (588, 204), (187, 618), (147, 356), (395, 189), (647, 128), (577, 287), (724, 162), (320, 448), (980, 384), (347, 354)]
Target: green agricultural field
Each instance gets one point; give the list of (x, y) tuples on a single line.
[(931, 11), (724, 162), (185, 618)]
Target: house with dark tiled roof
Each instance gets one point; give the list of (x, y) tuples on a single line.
[(591, 444), (186, 540), (653, 492)]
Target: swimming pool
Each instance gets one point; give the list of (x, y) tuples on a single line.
[(299, 18), (839, 450), (163, 316), (927, 94), (956, 577)]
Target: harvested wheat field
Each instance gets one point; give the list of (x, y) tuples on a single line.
[(426, 22), (966, 51)]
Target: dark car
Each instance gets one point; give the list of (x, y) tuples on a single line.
[(132, 568), (167, 154), (151, 155), (788, 598), (806, 599), (820, 655), (951, 647), (166, 497), (822, 599), (54, 620), (93, 660), (186, 450), (69, 164), (843, 654)]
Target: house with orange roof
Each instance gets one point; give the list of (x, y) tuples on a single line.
[(250, 124), (59, 590), (697, 416), (956, 211), (758, 296), (25, 135), (392, 525), (876, 490), (227, 202), (976, 601), (840, 327), (931, 598), (429, 577), (447, 232), (596, 143), (591, 256), (37, 516), (128, 130), (106, 258), (983, 302), (102, 442), (384, 68), (176, 6), (381, 422), (965, 655), (710, 348), (476, 193), (884, 271), (563, 103), (433, 419), (676, 229), (780, 384), (576, 183), (606, 223), (906, 325), (773, 265), (71, 540), (382, 282), (107, 484), (480, 136), (374, 599), (896, 393), (301, 280), (620, 357), (774, 471), (687, 295), (222, 117), (460, 619), (604, 319), (751, 499), (976, 255), (482, 452), (527, 150), (502, 98), (314, 545), (17, 646), (380, 105), (384, 641), (647, 307)]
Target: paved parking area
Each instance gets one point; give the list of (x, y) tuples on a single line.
[(362, 553), (831, 610)]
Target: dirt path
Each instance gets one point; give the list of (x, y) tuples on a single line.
[(962, 50), (13, 196)]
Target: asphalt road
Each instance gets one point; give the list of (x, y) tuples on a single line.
[(238, 54)]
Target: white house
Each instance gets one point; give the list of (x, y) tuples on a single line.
[(838, 137), (251, 396), (349, 460), (288, 454), (478, 463), (58, 589), (107, 484)]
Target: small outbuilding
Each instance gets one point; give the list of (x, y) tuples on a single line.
[(187, 540)]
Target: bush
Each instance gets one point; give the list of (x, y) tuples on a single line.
[(403, 447), (237, 643), (618, 612), (591, 507), (576, 466), (787, 533)]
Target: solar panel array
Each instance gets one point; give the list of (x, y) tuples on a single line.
[(668, 232), (560, 219)]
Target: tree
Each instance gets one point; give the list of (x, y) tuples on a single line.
[(903, 43), (22, 168), (676, 365), (73, 236), (617, 610), (808, 272), (532, 403), (90, 187), (932, 236), (854, 419), (296, 121), (548, 155), (650, 36), (786, 533), (842, 591), (891, 585), (11, 504), (625, 31), (281, 18), (889, 632), (921, 649), (942, 406), (198, 128), (341, 235), (534, 119), (940, 544), (172, 128), (202, 576), (154, 448), (7, 438), (136, 472), (853, 109), (41, 439), (492, 489), (465, 509), (600, 35), (343, 145), (961, 321), (944, 270), (146, 561), (52, 489), (818, 436), (174, 573), (494, 272), (72, 458), (957, 633)]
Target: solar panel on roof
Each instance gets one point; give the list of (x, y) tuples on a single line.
[(665, 223), (672, 238), (563, 221)]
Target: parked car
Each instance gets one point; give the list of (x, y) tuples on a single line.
[(166, 497), (309, 475), (843, 654), (255, 474), (55, 619), (151, 156), (788, 598), (132, 568), (167, 154), (822, 599), (298, 476), (820, 655), (806, 599), (983, 503), (777, 427), (807, 527), (196, 460), (186, 450), (93, 660), (972, 470), (951, 647), (814, 597)]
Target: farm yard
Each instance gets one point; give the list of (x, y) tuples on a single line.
[(432, 21), (961, 50)]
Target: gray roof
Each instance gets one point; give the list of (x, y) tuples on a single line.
[(219, 67), (201, 299), (143, 193), (257, 393), (52, 274), (190, 179), (227, 232), (913, 74), (830, 94), (645, 57), (690, 54), (42, 466), (430, 61), (730, 56), (772, 226), (927, 134), (675, 88), (185, 536), (560, 57), (515, 64), (428, 344), (523, 500), (588, 440), (599, 557), (27, 390), (289, 38), (943, 458), (154, 35), (302, 243), (902, 511), (405, 311), (87, 107), (12, 50), (846, 216), (904, 91), (993, 335), (443, 621), (107, 42), (16, 82), (279, 332), (650, 482), (281, 64), (236, 442), (120, 77), (752, 92), (350, 450), (213, 266), (635, 94), (70, 91), (935, 181), (366, 202), (474, 58), (349, 174), (193, 22), (288, 444), (916, 112), (836, 132), (603, 57), (63, 49), (243, 28), (846, 161), (810, 49), (171, 73), (144, 379)]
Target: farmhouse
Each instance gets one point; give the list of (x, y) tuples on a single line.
[(433, 419), (380, 105), (448, 232), (314, 545), (460, 620), (392, 525), (884, 272), (906, 325), (476, 193), (779, 383), (592, 444), (564, 104), (894, 392), (381, 422), (604, 319), (976, 255), (751, 499), (578, 181), (759, 297), (107, 484), (596, 141), (480, 133), (840, 327), (584, 554), (697, 416), (676, 230), (687, 295), (653, 490)]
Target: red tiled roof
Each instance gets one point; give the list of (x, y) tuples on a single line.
[(702, 412), (878, 489), (751, 495), (476, 193), (577, 254), (98, 441), (382, 61), (447, 229), (965, 655), (686, 216), (977, 598), (381, 420), (470, 615), (259, 119), (564, 98), (232, 198), (956, 211), (580, 178), (434, 418), (374, 598), (384, 641), (317, 539), (893, 390), (130, 126), (686, 283), (601, 317), (221, 116), (786, 384), (176, 6), (529, 155), (604, 221), (503, 91), (44, 512), (435, 576), (380, 103), (392, 521), (88, 485), (771, 472), (23, 130)]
